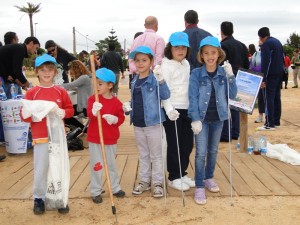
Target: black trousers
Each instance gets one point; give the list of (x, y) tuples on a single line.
[(185, 140)]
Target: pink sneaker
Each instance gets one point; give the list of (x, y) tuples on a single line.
[(211, 185), (200, 197)]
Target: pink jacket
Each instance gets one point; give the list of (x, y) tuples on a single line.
[(152, 40)]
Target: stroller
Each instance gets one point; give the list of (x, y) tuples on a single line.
[(75, 129)]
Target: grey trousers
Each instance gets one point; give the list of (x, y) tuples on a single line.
[(295, 76), (148, 140), (97, 168), (40, 165)]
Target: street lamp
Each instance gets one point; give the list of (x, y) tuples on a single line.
[(87, 46), (35, 29)]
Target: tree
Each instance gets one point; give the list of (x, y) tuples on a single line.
[(30, 9), (103, 44), (294, 41)]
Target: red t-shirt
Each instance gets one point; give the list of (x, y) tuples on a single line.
[(54, 94), (111, 133)]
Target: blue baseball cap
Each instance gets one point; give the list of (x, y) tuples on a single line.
[(179, 39), (106, 75), (141, 49), (210, 40), (43, 59)]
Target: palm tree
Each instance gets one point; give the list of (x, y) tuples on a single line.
[(30, 9)]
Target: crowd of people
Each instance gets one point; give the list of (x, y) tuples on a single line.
[(192, 76)]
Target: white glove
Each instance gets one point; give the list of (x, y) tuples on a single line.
[(96, 107), (126, 107), (158, 73), (228, 69), (110, 119), (25, 113), (173, 115), (60, 113), (196, 127)]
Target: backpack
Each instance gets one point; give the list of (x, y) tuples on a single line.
[(75, 144)]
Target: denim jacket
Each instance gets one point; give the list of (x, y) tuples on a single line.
[(200, 90), (150, 99)]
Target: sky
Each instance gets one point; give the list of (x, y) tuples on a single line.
[(93, 19)]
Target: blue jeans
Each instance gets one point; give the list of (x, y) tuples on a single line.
[(207, 142)]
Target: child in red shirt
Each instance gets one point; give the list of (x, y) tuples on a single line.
[(112, 117), (45, 69)]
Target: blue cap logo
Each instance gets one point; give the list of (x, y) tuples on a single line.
[(179, 39), (106, 75), (141, 49), (210, 40), (43, 59)]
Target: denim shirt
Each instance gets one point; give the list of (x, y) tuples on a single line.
[(150, 99), (200, 90)]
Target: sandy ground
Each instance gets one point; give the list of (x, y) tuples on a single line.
[(145, 210)]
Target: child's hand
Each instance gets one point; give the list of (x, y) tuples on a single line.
[(110, 119), (126, 107), (228, 69), (96, 107), (60, 113), (196, 127), (173, 115), (158, 73)]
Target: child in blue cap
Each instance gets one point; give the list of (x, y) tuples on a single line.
[(146, 117), (176, 72), (46, 70), (208, 108), (112, 117)]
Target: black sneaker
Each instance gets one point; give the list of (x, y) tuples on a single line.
[(2, 157), (97, 199), (39, 206), (64, 210), (119, 194)]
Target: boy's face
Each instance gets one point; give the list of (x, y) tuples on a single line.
[(46, 73), (104, 88)]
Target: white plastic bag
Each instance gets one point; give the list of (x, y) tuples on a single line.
[(58, 179), (283, 153)]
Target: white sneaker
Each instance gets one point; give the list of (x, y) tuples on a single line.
[(187, 180), (265, 128), (176, 184)]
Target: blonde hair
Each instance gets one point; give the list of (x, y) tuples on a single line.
[(221, 58)]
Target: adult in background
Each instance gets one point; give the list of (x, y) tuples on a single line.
[(82, 83), (255, 65), (113, 61), (287, 63), (11, 38), (195, 34), (96, 60), (295, 67), (61, 55), (149, 38), (237, 55), (11, 63), (272, 64)]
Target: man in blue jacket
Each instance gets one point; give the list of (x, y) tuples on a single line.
[(237, 55), (195, 34), (272, 65)]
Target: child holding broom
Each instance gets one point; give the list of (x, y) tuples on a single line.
[(112, 117)]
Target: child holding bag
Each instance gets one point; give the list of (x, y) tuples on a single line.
[(112, 117), (46, 70), (208, 96)]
